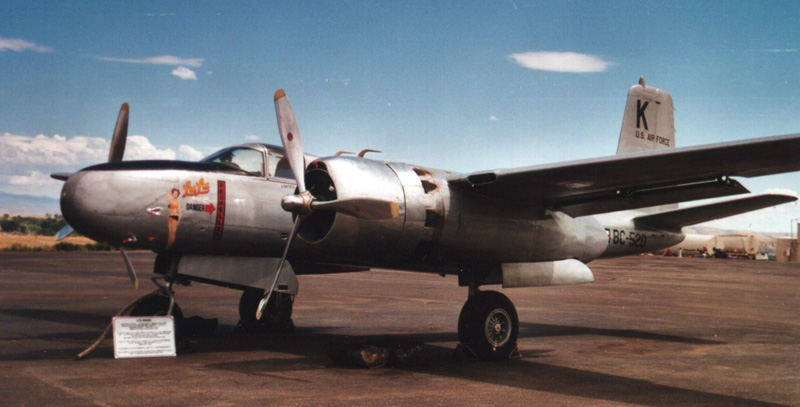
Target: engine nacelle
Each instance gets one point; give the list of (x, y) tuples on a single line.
[(438, 228)]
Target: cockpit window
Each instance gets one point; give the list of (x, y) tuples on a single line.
[(246, 159), (279, 165)]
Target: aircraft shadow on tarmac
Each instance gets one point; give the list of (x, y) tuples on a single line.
[(307, 344), (533, 330), (526, 373)]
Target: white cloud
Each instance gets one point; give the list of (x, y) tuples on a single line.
[(569, 62), (252, 137), (159, 60), (42, 150), (140, 148), (493, 118), (26, 162), (34, 183), (59, 151), (16, 44), (184, 73), (188, 153)]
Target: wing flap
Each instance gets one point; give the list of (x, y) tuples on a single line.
[(556, 185), (674, 220)]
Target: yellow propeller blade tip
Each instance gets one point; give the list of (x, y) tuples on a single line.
[(279, 94)]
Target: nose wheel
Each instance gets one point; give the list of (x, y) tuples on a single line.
[(488, 325)]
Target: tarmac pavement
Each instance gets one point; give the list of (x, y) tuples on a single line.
[(650, 331)]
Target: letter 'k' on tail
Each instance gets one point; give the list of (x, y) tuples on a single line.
[(648, 122)]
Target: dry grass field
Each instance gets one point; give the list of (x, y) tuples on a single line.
[(35, 241)]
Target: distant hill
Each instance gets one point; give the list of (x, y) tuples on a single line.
[(28, 205)]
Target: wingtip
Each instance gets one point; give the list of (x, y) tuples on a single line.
[(279, 94)]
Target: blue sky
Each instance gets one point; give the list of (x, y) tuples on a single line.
[(436, 84)]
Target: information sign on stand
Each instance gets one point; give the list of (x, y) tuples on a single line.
[(144, 337)]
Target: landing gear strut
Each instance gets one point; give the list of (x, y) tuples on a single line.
[(276, 318), (488, 325), (158, 303), (155, 304)]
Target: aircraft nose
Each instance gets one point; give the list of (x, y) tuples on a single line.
[(82, 207), (66, 201), (71, 207), (115, 207)]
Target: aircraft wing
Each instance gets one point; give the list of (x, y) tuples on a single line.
[(678, 218), (638, 180)]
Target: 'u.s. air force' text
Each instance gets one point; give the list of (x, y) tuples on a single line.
[(652, 137), (626, 238)]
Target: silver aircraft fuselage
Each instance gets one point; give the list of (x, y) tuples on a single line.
[(208, 208)]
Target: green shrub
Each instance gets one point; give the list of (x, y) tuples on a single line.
[(67, 247)]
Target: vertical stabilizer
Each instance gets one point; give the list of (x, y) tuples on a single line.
[(648, 122)]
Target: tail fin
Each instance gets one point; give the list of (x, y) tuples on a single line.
[(648, 122)]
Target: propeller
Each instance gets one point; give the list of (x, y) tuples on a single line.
[(120, 135), (303, 203), (115, 153), (129, 266)]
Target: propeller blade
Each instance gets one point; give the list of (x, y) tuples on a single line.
[(64, 232), (363, 208), (262, 306), (117, 149), (290, 137), (61, 176), (131, 271)]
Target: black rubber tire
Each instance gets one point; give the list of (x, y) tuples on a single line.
[(488, 325), (155, 305)]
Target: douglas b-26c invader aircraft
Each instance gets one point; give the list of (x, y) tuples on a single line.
[(234, 218)]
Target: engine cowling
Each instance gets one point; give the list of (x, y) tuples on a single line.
[(389, 241)]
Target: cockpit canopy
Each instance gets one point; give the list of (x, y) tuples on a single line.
[(251, 159)]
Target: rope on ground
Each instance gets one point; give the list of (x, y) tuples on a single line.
[(111, 325)]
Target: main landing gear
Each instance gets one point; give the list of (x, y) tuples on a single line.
[(488, 326), (276, 318)]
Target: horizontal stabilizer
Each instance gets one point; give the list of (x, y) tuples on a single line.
[(612, 201), (676, 219), (562, 272)]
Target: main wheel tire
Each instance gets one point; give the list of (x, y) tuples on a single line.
[(155, 305), (274, 317), (488, 325)]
